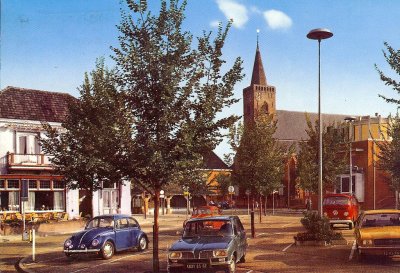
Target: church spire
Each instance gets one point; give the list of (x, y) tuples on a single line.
[(258, 76)]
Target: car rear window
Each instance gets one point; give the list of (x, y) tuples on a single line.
[(203, 211), (336, 200), (208, 228), (381, 220)]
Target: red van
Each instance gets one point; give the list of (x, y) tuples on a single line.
[(341, 208)]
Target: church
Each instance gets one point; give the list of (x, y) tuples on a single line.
[(369, 183)]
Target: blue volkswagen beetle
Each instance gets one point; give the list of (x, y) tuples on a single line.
[(106, 234), (210, 243)]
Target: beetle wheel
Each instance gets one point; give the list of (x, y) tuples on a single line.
[(142, 243), (107, 250)]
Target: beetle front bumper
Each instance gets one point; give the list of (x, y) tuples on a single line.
[(72, 251)]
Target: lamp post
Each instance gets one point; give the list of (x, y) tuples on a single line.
[(350, 120), (319, 34)]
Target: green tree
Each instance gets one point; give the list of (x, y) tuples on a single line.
[(88, 152), (389, 155), (392, 57), (154, 116), (334, 162), (390, 148), (173, 93), (259, 161)]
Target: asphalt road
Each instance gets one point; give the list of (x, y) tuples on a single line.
[(272, 250)]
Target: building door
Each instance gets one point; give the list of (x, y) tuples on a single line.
[(110, 201)]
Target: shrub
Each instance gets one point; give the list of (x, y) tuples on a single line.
[(318, 228)]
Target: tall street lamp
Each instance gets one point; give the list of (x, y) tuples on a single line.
[(319, 34), (350, 120)]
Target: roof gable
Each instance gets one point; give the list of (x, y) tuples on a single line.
[(213, 162), (29, 104)]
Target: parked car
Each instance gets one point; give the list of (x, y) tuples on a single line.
[(204, 211), (341, 209), (211, 243), (106, 234), (377, 232), (224, 205)]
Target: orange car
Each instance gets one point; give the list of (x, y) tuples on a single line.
[(204, 211)]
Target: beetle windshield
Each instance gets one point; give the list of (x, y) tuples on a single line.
[(101, 222), (381, 220), (336, 200), (208, 228)]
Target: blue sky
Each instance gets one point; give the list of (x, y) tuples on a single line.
[(48, 45)]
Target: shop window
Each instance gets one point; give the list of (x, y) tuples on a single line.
[(45, 184), (13, 184), (58, 185), (59, 200), (32, 184), (9, 200), (44, 200), (2, 184), (31, 201)]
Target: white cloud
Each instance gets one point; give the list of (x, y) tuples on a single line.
[(277, 19), (214, 24), (233, 10)]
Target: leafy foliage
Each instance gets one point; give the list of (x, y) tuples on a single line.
[(259, 161), (389, 154), (392, 57), (390, 148), (334, 163), (154, 117), (89, 153), (173, 92), (318, 228)]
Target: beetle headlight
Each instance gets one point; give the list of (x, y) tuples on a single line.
[(95, 242), (367, 242), (220, 253), (175, 255), (68, 243)]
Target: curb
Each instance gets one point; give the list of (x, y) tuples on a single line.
[(21, 267)]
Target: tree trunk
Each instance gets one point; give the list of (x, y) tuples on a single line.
[(156, 262), (265, 205)]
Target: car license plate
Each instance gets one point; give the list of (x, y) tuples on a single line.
[(391, 253), (196, 266)]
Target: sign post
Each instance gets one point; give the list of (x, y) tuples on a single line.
[(24, 198), (162, 201), (231, 191), (186, 193), (248, 201)]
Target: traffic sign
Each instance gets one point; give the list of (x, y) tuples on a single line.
[(231, 189)]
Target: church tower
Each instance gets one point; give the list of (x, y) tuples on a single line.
[(259, 97)]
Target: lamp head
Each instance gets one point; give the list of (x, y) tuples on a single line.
[(319, 34)]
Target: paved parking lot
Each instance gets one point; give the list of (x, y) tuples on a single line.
[(272, 250)]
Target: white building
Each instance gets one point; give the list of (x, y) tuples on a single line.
[(22, 161)]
